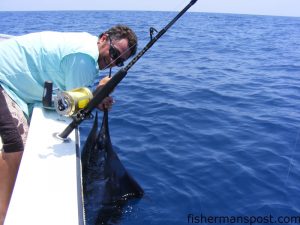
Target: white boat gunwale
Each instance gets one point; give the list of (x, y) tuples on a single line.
[(48, 189)]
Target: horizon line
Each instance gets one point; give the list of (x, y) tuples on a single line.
[(142, 10)]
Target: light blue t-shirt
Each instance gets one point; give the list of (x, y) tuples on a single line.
[(67, 59)]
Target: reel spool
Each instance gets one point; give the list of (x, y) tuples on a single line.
[(68, 103)]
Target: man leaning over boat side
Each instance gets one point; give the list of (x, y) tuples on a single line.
[(69, 60)]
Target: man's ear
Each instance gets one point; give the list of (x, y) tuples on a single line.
[(103, 37)]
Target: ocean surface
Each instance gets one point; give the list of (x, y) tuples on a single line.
[(208, 120)]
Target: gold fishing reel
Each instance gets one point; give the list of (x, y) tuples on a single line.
[(68, 103)]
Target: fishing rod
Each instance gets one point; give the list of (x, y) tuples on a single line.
[(103, 92)]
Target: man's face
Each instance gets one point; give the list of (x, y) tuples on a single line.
[(112, 52)]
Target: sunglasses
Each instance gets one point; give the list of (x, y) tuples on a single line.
[(115, 54)]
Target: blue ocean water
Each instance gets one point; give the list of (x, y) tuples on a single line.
[(208, 121)]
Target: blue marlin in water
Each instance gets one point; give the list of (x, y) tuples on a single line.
[(106, 184)]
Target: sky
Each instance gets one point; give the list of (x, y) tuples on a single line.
[(256, 7)]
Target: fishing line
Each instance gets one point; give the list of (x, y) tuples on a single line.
[(292, 157), (113, 61)]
